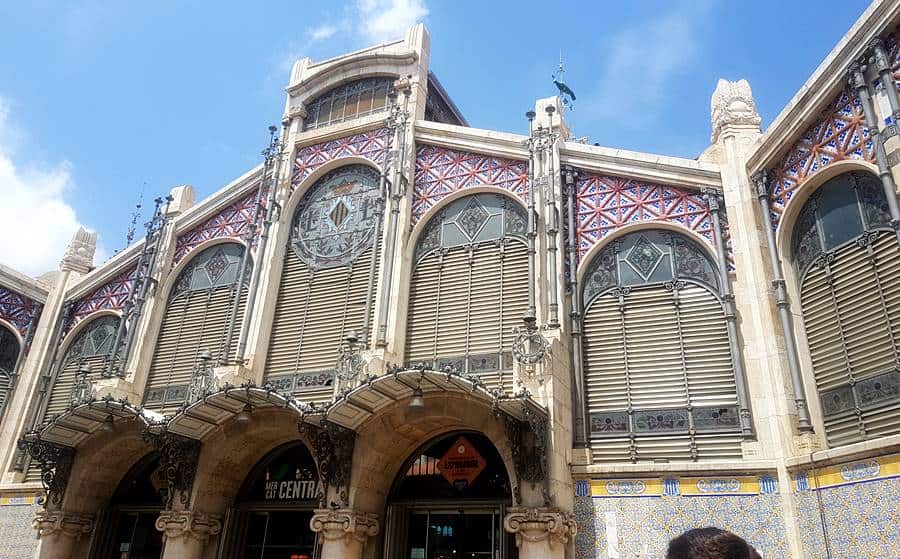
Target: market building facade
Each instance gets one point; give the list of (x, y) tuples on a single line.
[(400, 336)]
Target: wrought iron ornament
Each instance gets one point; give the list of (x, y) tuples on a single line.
[(333, 446), (178, 457), (55, 462)]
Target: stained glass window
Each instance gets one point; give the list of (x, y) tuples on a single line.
[(337, 218), (96, 340), (216, 266), (346, 102), (841, 210), (9, 350), (648, 257)]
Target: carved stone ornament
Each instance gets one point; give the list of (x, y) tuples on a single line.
[(188, 524), (543, 524), (178, 458), (62, 523), (79, 255), (732, 104), (338, 524), (55, 462)]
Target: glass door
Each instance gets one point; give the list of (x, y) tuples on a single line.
[(454, 535), (137, 536), (279, 535)]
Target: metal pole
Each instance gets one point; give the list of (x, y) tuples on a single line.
[(531, 312), (883, 67), (579, 404), (740, 382), (552, 223), (858, 82), (784, 306), (373, 262), (256, 272), (397, 191)]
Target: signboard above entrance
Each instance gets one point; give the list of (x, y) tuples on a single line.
[(461, 464)]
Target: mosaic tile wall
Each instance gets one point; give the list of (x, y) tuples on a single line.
[(851, 510), (19, 310), (110, 296), (18, 539), (231, 221), (371, 145), (635, 519)]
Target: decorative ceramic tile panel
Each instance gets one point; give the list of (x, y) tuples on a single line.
[(19, 310), (19, 539), (606, 203), (638, 517), (371, 145), (232, 221), (839, 134), (110, 296), (442, 171), (854, 505)]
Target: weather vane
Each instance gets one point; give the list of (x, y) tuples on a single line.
[(568, 96)]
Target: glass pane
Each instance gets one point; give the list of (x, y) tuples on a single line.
[(352, 101), (365, 102), (380, 97), (839, 213)]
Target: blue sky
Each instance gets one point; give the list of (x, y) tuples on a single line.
[(99, 100)]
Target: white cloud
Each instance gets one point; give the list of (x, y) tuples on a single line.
[(384, 20), (639, 63), (36, 223), (322, 32)]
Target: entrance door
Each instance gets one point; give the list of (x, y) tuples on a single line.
[(454, 535)]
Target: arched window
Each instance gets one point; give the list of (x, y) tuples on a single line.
[(326, 280), (9, 356), (846, 256), (346, 102), (90, 351), (196, 320), (659, 376), (469, 288)]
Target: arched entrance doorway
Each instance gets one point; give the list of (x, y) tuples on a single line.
[(127, 528), (448, 502), (273, 508)]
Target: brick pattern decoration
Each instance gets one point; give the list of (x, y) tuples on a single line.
[(232, 221), (839, 134), (110, 296), (19, 310), (371, 145), (442, 171), (605, 204)]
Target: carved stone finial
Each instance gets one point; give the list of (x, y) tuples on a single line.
[(347, 524), (79, 256), (732, 104), (188, 524), (543, 525), (62, 523)]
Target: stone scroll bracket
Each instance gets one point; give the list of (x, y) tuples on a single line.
[(333, 448), (344, 525), (188, 524), (544, 525), (62, 523), (178, 457)]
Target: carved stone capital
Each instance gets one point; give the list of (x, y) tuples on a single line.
[(337, 524), (62, 523), (732, 104), (79, 256), (542, 524), (188, 524)]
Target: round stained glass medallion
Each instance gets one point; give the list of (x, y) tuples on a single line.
[(337, 217)]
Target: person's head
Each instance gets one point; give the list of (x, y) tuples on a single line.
[(710, 543)]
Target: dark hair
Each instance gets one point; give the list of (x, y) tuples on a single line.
[(710, 543)]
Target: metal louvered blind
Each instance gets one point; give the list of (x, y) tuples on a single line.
[(313, 314), (658, 366), (851, 311), (463, 307), (61, 393), (194, 321)]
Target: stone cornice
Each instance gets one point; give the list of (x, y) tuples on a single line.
[(106, 271), (22, 284), (689, 468), (463, 138), (661, 169), (821, 87), (849, 453), (328, 73), (216, 201)]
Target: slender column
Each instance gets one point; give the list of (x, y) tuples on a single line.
[(186, 532), (531, 234), (883, 67), (784, 306), (344, 532), (541, 533), (62, 534), (740, 382), (579, 399), (552, 221), (379, 221), (400, 119), (858, 82)]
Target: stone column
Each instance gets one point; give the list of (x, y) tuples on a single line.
[(62, 534), (186, 532), (541, 533), (343, 531)]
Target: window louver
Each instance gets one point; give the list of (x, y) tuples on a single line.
[(314, 312), (851, 310), (463, 307), (664, 356)]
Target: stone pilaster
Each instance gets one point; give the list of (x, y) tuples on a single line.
[(344, 532), (61, 533), (186, 532), (540, 532)]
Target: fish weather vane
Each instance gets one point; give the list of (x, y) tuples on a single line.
[(568, 96)]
